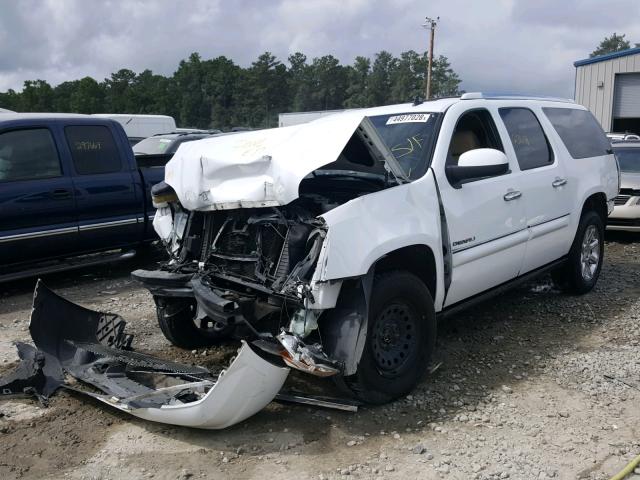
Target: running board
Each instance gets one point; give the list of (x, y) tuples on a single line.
[(456, 308), (70, 263)]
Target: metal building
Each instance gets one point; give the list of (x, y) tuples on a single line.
[(609, 86)]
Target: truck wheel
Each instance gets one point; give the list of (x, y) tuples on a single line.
[(401, 336), (580, 274), (176, 318)]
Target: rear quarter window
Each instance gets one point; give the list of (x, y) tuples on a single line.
[(93, 149), (579, 131)]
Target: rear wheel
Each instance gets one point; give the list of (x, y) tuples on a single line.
[(580, 273), (401, 336), (177, 320)]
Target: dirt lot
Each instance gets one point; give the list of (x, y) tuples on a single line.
[(533, 385)]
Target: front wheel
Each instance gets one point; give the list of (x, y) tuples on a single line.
[(580, 274), (178, 323), (401, 336)]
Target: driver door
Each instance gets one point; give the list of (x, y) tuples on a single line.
[(485, 216)]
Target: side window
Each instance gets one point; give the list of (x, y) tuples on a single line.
[(579, 131), (529, 141), (28, 154), (93, 149), (475, 129)]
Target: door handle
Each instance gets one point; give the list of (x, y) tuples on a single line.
[(511, 195), (558, 182), (60, 194)]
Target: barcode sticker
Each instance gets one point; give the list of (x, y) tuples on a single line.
[(408, 118)]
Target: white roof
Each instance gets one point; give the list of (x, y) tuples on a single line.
[(26, 116), (131, 115)]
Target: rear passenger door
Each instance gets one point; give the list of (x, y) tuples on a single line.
[(545, 194), (108, 206), (37, 208)]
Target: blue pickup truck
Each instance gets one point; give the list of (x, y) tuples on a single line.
[(71, 193)]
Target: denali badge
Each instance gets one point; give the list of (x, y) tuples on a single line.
[(462, 242)]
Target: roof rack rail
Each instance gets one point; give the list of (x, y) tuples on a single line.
[(509, 96)]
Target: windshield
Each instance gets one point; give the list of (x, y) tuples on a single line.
[(628, 159), (153, 146), (409, 137)]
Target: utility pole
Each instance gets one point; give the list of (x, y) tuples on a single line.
[(430, 23)]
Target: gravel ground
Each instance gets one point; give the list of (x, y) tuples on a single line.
[(533, 384)]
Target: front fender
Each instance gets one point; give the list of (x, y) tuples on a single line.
[(362, 231)]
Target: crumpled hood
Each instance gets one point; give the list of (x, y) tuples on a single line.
[(256, 169)]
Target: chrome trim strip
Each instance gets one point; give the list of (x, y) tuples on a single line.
[(114, 223), (474, 245), (44, 233), (549, 227), (489, 248), (566, 215)]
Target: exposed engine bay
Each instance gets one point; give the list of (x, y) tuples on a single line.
[(252, 270), (255, 271), (258, 240)]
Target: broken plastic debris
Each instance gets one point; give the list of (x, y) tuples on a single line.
[(246, 387), (93, 348), (308, 358), (37, 374)]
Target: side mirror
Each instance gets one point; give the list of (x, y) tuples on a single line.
[(478, 163)]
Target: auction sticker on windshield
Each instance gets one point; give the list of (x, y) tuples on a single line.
[(408, 118)]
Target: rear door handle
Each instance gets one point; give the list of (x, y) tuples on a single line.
[(558, 182), (512, 195), (60, 194)]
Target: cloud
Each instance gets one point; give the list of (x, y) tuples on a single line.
[(496, 45)]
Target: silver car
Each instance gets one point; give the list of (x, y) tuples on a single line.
[(626, 213)]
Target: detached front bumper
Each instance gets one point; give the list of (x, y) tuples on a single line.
[(93, 348), (242, 390)]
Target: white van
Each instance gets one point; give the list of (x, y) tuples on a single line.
[(139, 127)]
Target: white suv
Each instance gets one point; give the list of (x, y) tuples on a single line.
[(335, 246)]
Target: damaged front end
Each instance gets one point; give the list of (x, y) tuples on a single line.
[(243, 218), (252, 272)]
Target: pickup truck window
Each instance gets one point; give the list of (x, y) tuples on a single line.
[(579, 131), (529, 140), (28, 154), (93, 149)]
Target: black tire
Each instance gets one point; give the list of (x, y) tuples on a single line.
[(401, 336), (574, 276), (176, 318)]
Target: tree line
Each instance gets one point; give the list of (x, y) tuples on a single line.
[(614, 43), (217, 93)]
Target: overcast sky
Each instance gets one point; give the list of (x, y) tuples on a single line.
[(494, 45)]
